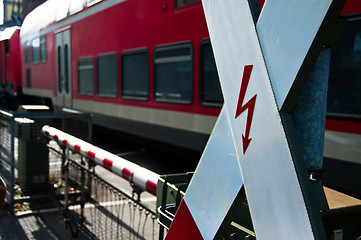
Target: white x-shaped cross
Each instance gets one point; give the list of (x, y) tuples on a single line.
[(261, 69)]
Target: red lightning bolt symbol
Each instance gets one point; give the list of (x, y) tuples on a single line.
[(248, 105)]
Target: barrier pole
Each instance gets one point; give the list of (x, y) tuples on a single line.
[(139, 176)]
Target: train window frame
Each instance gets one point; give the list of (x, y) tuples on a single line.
[(62, 10), (99, 72), (89, 82), (139, 96), (172, 97), (92, 2), (75, 7), (203, 101), (35, 46), (27, 52), (43, 53), (182, 3), (337, 106)]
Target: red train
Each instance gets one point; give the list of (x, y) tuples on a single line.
[(146, 68), (10, 65), (137, 65)]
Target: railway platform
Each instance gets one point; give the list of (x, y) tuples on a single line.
[(42, 223)]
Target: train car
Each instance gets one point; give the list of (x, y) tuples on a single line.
[(10, 66), (142, 67), (342, 152), (146, 68)]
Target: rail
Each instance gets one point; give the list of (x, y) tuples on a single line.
[(142, 179)]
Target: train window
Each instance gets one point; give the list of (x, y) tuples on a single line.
[(344, 92), (108, 76), (27, 52), (86, 76), (66, 66), (92, 2), (59, 61), (35, 44), (43, 48), (28, 78), (173, 74), (7, 47), (76, 6), (210, 88), (62, 10), (135, 72), (179, 3)]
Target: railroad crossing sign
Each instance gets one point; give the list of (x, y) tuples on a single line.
[(262, 69)]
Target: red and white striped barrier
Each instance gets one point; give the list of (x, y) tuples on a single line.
[(139, 176)]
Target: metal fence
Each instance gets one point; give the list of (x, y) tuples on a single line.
[(35, 168), (24, 158), (93, 205)]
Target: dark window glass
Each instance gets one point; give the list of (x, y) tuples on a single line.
[(43, 48), (173, 74), (107, 76), (344, 93), (28, 78), (27, 52), (35, 44), (211, 93), (7, 47), (59, 70), (180, 3), (135, 75), (86, 76), (66, 63)]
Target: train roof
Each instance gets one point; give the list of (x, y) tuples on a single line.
[(7, 33), (40, 17), (52, 11)]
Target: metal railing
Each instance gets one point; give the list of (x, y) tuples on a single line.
[(24, 163), (90, 203), (171, 191)]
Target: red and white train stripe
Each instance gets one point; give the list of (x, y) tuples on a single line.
[(139, 176)]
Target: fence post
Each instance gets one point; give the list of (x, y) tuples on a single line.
[(66, 176), (91, 169), (12, 172), (82, 192)]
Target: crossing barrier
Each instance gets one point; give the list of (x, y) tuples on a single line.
[(142, 178)]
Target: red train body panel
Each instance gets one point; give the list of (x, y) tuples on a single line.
[(10, 65), (116, 27)]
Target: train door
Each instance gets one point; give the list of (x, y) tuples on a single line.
[(63, 68)]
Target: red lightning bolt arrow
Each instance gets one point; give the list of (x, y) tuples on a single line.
[(248, 105)]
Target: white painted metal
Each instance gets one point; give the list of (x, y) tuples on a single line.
[(220, 179), (286, 31), (274, 195), (141, 177)]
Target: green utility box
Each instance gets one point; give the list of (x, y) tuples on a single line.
[(170, 192), (33, 154)]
